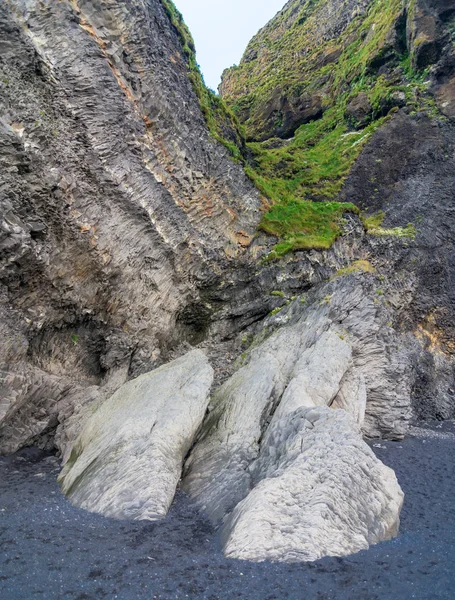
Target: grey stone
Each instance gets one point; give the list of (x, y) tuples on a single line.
[(127, 461), (319, 491), (335, 349)]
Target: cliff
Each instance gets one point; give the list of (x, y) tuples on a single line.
[(118, 205), (311, 266)]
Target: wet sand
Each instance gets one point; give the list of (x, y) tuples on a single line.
[(51, 550)]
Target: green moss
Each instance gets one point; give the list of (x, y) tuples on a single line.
[(75, 338), (304, 224), (275, 311), (358, 266), (374, 221), (326, 299), (277, 293), (402, 232)]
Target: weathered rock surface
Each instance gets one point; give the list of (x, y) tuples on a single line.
[(359, 110), (318, 491), (407, 171), (117, 207), (338, 349), (127, 461)]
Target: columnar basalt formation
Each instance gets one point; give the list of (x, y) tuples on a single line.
[(320, 298), (118, 206)]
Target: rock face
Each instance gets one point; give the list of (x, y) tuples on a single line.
[(318, 491), (128, 234), (118, 208), (127, 461), (336, 351)]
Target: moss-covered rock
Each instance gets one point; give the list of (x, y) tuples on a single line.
[(323, 76)]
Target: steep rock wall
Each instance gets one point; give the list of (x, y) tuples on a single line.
[(117, 204)]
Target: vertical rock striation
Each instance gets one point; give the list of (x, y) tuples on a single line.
[(127, 461), (117, 206)]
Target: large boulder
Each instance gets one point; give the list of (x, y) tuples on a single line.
[(338, 351), (127, 461), (217, 472), (319, 491), (280, 461)]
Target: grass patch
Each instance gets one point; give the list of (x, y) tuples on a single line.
[(402, 232), (374, 221), (275, 311), (304, 225), (358, 266)]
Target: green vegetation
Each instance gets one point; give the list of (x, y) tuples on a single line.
[(293, 63), (221, 122), (303, 176), (278, 293), (75, 338), (313, 165), (358, 266), (374, 221), (373, 225), (402, 232), (304, 224)]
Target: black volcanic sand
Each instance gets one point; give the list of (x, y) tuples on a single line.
[(51, 550)]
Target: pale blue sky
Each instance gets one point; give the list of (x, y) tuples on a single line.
[(222, 29)]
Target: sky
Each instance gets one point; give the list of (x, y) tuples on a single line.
[(222, 29)]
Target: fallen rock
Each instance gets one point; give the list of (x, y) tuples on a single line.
[(359, 111), (319, 491), (127, 461)]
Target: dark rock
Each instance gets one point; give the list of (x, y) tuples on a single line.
[(359, 111), (284, 114)]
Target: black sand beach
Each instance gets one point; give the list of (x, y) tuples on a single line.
[(51, 550)]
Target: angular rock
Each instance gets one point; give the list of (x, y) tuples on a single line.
[(319, 491), (359, 110), (127, 461)]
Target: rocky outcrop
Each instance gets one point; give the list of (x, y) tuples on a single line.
[(277, 462), (118, 208), (318, 491), (407, 172), (127, 461), (338, 349)]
